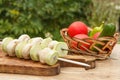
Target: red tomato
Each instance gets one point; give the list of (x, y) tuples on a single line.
[(80, 36), (77, 28), (96, 35)]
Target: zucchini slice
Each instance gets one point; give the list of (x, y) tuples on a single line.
[(59, 48), (24, 37), (26, 51), (34, 52), (19, 48), (5, 42), (11, 47)]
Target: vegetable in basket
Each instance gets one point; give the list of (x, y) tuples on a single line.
[(108, 31), (96, 29), (82, 45), (77, 27)]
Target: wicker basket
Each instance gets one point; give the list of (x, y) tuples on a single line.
[(100, 48)]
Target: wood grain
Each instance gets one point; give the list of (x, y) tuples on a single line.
[(21, 66)]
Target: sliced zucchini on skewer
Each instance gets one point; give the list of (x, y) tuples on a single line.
[(11, 47), (34, 52), (26, 51), (51, 57), (45, 42), (52, 44), (48, 56), (27, 47), (36, 40), (24, 37), (19, 48), (5, 42), (42, 53), (59, 46)]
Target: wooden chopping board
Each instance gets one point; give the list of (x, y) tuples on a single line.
[(21, 66)]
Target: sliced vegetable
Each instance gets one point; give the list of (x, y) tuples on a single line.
[(26, 51), (51, 57), (19, 48), (11, 47), (48, 56), (34, 52), (5, 42), (42, 54), (52, 44), (59, 48), (24, 37), (45, 42), (36, 40)]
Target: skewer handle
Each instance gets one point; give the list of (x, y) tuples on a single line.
[(74, 62)]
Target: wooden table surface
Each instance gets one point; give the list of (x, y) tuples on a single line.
[(105, 70)]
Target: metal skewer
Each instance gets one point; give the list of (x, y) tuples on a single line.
[(74, 62)]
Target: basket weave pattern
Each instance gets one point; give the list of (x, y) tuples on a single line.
[(102, 46)]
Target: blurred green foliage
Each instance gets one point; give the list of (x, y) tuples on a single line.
[(40, 17), (104, 10)]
